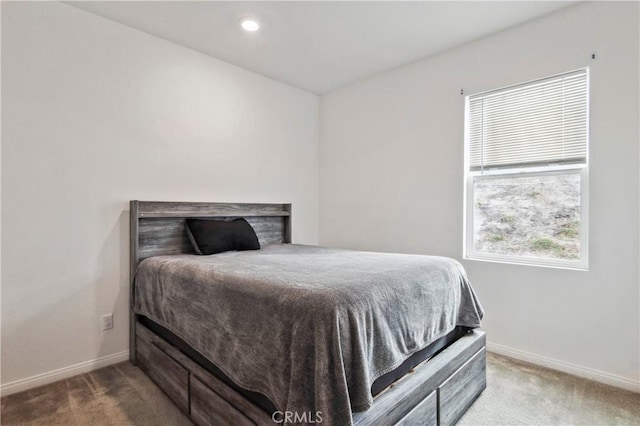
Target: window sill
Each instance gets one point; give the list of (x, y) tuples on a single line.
[(530, 261)]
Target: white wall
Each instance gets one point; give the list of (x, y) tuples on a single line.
[(391, 179), (95, 114)]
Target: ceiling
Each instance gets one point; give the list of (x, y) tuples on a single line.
[(319, 46)]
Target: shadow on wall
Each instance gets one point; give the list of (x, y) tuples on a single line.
[(69, 314), (112, 295)]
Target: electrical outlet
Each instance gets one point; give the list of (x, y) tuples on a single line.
[(107, 322)]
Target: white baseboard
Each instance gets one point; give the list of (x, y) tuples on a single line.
[(94, 364), (62, 373), (567, 367)]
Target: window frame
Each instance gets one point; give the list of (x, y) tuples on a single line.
[(469, 252)]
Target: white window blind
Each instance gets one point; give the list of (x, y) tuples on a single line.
[(537, 123)]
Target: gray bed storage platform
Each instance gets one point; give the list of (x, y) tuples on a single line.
[(436, 392)]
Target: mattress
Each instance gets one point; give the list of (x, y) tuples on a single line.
[(310, 328)]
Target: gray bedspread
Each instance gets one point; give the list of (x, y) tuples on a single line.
[(309, 327)]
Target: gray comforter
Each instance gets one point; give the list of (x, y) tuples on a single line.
[(309, 327)]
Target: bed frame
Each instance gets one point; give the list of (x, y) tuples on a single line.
[(437, 392)]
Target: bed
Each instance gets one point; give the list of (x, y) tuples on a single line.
[(330, 371)]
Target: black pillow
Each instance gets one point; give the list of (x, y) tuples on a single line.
[(216, 236)]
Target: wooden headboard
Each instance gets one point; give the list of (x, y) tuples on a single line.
[(158, 228)]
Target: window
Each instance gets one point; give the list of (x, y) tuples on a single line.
[(526, 162)]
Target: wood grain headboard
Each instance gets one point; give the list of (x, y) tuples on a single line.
[(158, 228)]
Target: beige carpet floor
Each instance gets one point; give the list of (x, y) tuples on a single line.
[(517, 394), (117, 395)]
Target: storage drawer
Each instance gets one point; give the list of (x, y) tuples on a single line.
[(165, 371), (423, 414), (209, 408), (458, 392)]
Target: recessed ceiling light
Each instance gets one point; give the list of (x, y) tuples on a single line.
[(250, 25)]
